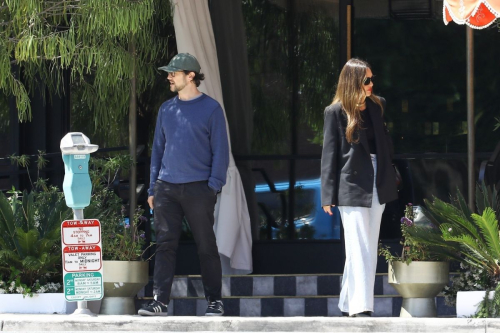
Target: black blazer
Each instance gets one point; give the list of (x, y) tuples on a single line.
[(346, 168)]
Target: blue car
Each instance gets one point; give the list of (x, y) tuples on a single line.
[(310, 221)]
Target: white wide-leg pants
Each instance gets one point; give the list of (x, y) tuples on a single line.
[(361, 231)]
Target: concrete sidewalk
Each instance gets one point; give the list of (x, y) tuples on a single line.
[(68, 323)]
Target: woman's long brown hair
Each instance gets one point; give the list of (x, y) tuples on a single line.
[(350, 94)]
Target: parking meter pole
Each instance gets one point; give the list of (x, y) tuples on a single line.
[(82, 307), (77, 187)]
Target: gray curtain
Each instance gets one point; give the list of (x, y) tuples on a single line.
[(194, 34), (230, 41)]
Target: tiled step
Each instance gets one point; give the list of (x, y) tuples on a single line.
[(271, 285), (318, 306), (280, 295)]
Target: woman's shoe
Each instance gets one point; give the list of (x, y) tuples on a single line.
[(363, 314), (345, 314)]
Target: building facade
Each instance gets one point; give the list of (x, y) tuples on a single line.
[(294, 51)]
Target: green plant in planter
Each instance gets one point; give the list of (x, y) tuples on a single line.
[(420, 243), (476, 234), (30, 240), (30, 252), (30, 243), (122, 238), (477, 237)]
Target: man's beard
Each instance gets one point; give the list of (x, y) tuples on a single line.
[(177, 88)]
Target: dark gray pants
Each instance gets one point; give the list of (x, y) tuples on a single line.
[(172, 202)]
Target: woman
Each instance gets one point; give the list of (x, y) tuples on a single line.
[(357, 176)]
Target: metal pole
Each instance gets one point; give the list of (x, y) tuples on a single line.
[(82, 308), (471, 174), (132, 130), (293, 72)]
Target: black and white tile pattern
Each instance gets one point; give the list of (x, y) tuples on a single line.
[(291, 285), (289, 307), (289, 296)]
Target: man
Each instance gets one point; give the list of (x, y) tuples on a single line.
[(189, 162)]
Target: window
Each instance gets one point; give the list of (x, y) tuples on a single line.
[(293, 64)]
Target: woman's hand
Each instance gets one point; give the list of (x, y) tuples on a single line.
[(328, 209)]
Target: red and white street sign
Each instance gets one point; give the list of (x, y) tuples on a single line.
[(82, 258), (77, 232)]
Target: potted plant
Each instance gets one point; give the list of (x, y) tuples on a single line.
[(30, 240), (478, 241), (30, 251), (125, 270), (421, 271)]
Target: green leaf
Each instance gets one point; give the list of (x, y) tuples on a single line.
[(489, 228), (7, 225), (27, 241), (28, 212), (481, 199), (32, 263), (457, 216)]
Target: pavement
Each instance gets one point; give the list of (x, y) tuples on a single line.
[(101, 323)]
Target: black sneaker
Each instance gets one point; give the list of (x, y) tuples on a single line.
[(154, 308), (215, 308), (363, 314)]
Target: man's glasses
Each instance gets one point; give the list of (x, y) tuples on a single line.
[(172, 74), (368, 80)]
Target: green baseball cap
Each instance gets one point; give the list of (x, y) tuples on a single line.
[(182, 62)]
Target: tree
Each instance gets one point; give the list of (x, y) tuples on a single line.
[(108, 46)]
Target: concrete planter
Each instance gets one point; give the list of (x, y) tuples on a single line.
[(468, 302), (419, 283), (39, 303), (122, 281)]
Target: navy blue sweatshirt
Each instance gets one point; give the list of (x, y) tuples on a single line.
[(190, 143)]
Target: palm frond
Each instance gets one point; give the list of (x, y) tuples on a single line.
[(7, 227), (463, 206), (482, 198), (487, 196), (27, 241), (53, 212), (432, 238), (472, 259), (59, 213), (8, 256), (3, 244), (488, 224), (47, 245), (31, 263), (48, 259), (495, 202), (28, 221), (470, 244), (445, 212)]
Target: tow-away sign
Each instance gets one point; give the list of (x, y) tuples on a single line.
[(82, 260)]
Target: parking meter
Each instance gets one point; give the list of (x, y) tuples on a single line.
[(77, 187), (76, 149)]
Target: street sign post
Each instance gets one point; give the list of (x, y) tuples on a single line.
[(82, 260), (77, 187)]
